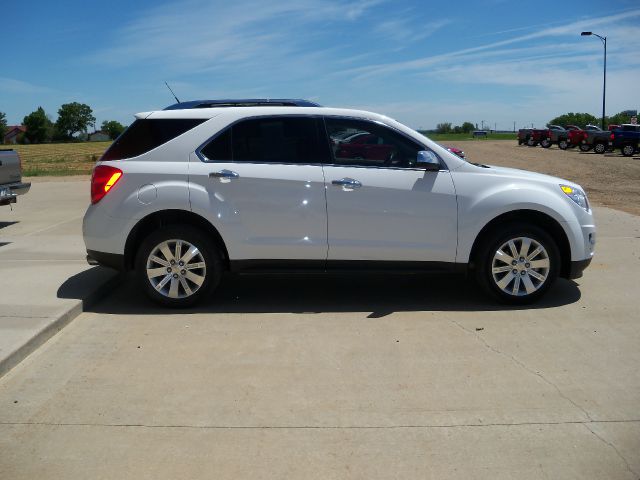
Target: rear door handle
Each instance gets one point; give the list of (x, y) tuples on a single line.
[(347, 182), (224, 174)]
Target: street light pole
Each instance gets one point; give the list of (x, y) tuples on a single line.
[(604, 81)]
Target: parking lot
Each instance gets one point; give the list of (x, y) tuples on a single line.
[(359, 376)]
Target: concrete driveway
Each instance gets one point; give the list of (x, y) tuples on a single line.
[(341, 377)]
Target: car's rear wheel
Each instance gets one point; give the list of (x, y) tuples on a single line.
[(627, 150), (600, 148), (178, 265), (518, 263), (546, 143), (531, 142), (584, 147), (563, 144)]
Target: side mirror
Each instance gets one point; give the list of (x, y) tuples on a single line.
[(428, 160)]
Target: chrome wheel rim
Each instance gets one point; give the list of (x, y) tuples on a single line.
[(599, 148), (176, 269), (520, 266), (628, 150)]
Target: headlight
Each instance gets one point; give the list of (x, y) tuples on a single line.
[(576, 195)]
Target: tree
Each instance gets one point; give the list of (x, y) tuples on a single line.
[(443, 127), (579, 119), (618, 119), (468, 127), (112, 128), (3, 126), (74, 118), (38, 126)]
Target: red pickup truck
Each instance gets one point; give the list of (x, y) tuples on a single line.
[(534, 136)]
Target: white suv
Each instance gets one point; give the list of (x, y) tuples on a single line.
[(199, 188)]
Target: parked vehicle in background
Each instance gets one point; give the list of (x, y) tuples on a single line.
[(626, 138), (533, 136), (11, 184), (599, 140), (184, 195), (456, 151), (577, 135), (566, 141), (556, 134)]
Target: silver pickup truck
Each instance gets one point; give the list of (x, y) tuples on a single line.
[(11, 184)]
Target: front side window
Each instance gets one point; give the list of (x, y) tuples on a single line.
[(367, 144), (269, 140), (146, 134)]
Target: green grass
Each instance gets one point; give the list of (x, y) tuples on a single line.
[(439, 137)]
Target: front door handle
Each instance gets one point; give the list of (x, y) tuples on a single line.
[(224, 174), (347, 183)]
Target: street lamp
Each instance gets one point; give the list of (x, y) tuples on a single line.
[(604, 83)]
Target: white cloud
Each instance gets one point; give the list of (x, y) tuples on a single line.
[(12, 85)]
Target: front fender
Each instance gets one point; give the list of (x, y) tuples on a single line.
[(483, 205)]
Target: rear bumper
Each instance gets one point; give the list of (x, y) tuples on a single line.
[(9, 192), (578, 267), (111, 260)]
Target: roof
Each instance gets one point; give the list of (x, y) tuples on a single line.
[(252, 102), (20, 128)]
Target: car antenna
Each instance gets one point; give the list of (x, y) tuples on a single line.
[(174, 95)]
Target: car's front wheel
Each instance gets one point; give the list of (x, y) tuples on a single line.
[(563, 144), (518, 263), (178, 265), (546, 143)]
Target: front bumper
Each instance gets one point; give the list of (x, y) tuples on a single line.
[(578, 267)]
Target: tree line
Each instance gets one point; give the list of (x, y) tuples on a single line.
[(73, 118), (583, 119)]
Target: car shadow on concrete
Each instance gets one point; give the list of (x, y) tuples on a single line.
[(378, 294), (6, 224)]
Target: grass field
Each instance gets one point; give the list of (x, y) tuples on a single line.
[(57, 159)]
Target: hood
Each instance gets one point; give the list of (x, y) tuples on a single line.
[(526, 175)]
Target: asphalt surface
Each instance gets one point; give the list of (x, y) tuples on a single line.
[(341, 377)]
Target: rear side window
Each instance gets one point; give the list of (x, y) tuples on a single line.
[(270, 140), (146, 134)]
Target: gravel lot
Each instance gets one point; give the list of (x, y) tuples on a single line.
[(610, 180)]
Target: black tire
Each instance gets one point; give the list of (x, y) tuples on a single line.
[(584, 147), (563, 144), (531, 142), (207, 253), (600, 147), (546, 143), (484, 261), (628, 150)]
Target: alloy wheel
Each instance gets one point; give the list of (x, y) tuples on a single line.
[(520, 266), (176, 268)]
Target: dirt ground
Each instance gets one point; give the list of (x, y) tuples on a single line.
[(610, 180)]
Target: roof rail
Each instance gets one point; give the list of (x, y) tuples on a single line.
[(255, 102)]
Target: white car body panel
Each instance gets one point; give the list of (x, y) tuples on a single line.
[(396, 215), (271, 211)]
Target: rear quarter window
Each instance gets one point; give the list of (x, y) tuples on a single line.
[(146, 134)]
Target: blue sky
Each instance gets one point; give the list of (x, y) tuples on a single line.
[(422, 63)]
